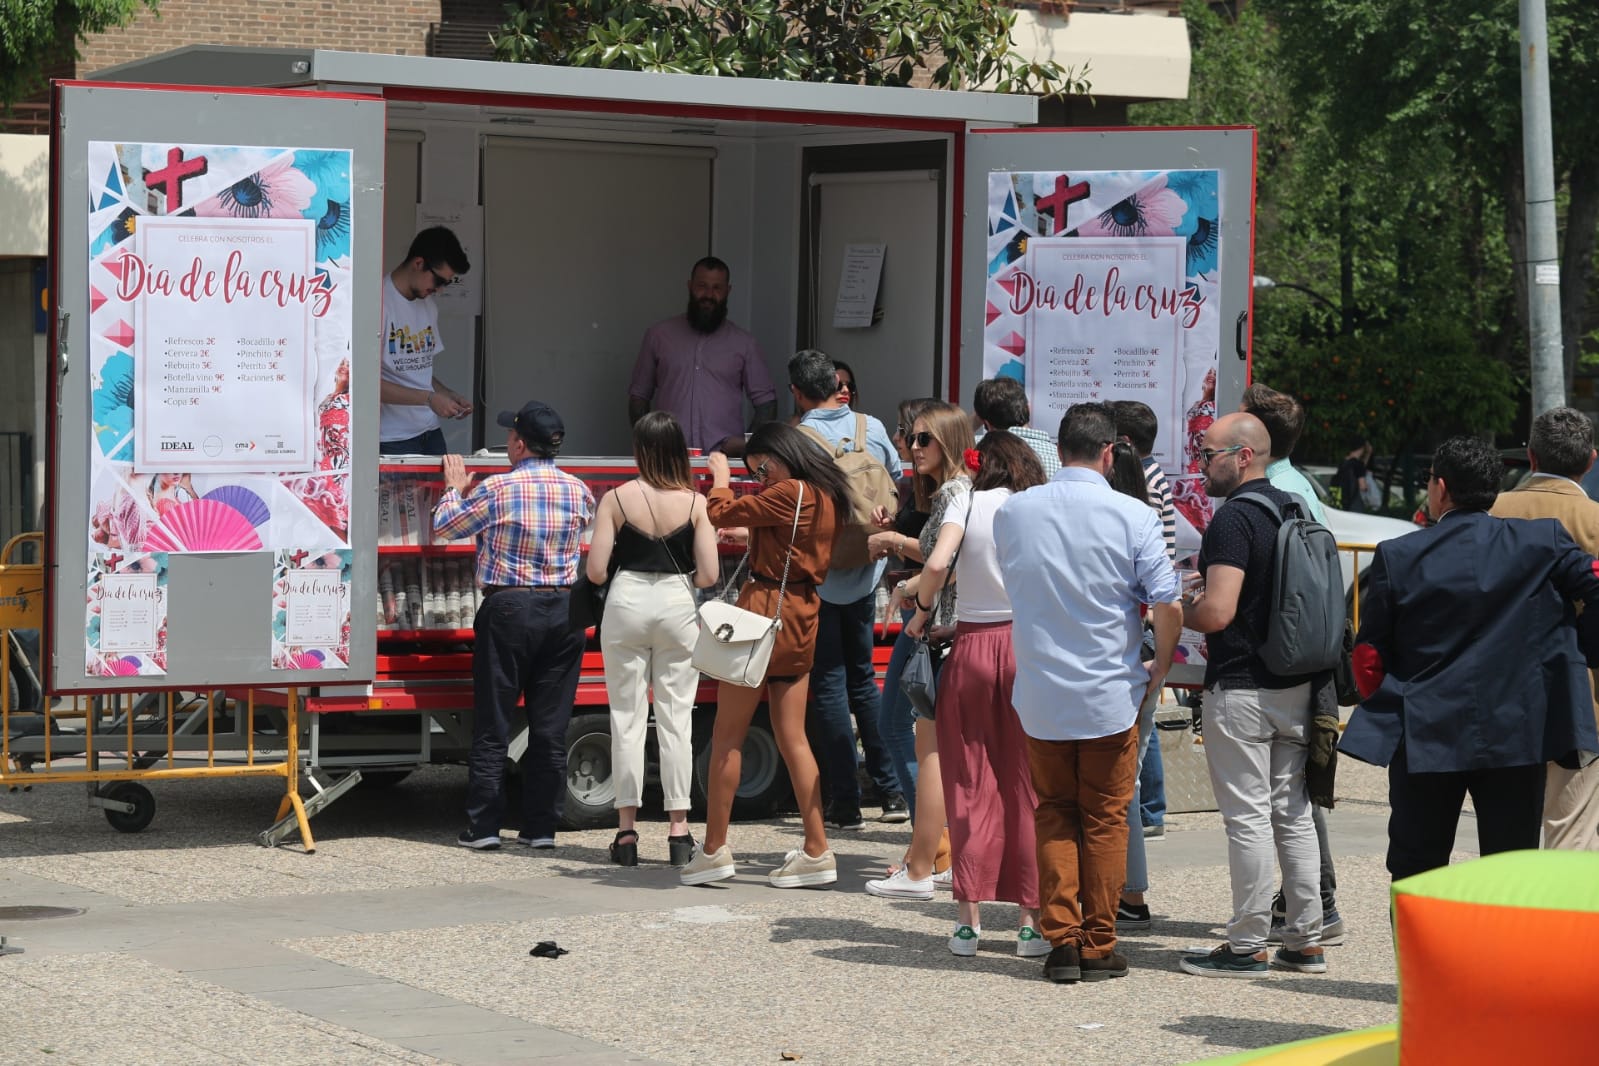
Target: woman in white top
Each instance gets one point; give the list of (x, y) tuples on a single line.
[(654, 533), (987, 782)]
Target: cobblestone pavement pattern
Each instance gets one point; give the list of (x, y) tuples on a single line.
[(392, 945)]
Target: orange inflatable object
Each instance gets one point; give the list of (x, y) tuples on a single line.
[(1495, 966)]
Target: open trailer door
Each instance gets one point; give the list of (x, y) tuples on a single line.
[(1115, 264), (213, 451)]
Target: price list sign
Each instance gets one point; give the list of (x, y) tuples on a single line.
[(225, 363), (1104, 321)]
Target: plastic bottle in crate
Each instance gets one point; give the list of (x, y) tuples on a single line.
[(387, 612), (416, 602), (454, 613)]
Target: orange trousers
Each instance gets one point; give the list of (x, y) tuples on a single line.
[(1084, 788)]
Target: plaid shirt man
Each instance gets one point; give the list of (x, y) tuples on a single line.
[(529, 523), (1043, 446)]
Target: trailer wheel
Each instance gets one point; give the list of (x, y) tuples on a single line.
[(590, 786), (143, 807), (763, 780)]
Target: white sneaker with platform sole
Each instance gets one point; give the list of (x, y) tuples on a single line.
[(964, 941)]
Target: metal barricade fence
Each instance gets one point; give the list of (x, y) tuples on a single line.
[(1355, 551), (114, 742)]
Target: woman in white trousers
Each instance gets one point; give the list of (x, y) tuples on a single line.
[(651, 541)]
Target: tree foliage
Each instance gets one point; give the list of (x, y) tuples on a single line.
[(1401, 388), (1446, 78), (964, 44), (37, 34), (1389, 183)]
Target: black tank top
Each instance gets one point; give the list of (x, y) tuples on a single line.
[(637, 550)]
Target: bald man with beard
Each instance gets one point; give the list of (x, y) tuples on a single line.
[(1257, 724)]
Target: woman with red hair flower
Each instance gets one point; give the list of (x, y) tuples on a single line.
[(988, 789)]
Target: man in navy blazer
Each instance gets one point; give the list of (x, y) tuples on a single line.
[(1469, 662)]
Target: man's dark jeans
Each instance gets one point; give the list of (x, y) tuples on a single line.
[(1508, 803), (522, 648), (843, 681), (429, 443)]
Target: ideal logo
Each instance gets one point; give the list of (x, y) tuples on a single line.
[(176, 446)]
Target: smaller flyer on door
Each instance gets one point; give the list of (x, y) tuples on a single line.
[(311, 609), (125, 634)]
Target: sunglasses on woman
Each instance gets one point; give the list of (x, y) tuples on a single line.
[(919, 440)]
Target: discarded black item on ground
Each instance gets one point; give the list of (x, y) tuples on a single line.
[(548, 949)]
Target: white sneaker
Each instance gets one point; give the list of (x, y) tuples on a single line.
[(704, 868), (1030, 943), (945, 879), (800, 870), (964, 941), (901, 885)]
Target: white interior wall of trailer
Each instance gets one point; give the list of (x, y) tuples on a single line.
[(570, 279), (587, 247)]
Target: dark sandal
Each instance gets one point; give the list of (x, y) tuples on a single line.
[(625, 854), (680, 848)]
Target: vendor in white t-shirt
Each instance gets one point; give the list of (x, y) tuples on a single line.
[(413, 398)]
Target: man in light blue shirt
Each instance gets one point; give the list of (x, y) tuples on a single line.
[(1079, 559), (1284, 419), (843, 679)]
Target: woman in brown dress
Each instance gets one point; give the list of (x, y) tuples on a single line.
[(794, 472)]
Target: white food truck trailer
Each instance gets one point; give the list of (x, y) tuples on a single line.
[(928, 238)]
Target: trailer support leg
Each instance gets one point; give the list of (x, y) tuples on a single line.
[(295, 813)]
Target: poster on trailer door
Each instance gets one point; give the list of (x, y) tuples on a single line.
[(125, 627), (1102, 286), (311, 609), (220, 343)]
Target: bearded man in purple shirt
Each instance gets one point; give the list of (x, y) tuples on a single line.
[(700, 367)]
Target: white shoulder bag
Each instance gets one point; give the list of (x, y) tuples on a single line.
[(735, 645)]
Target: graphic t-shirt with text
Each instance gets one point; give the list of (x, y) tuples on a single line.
[(409, 343)]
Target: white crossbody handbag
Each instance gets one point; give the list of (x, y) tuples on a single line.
[(735, 645)]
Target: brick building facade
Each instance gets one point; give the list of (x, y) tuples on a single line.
[(399, 27)]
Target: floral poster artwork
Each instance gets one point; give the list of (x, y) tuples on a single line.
[(1104, 285), (311, 609), (220, 341), (125, 628)]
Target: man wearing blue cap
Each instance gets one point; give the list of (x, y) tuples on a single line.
[(529, 526)]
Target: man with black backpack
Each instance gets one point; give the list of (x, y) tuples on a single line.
[(1257, 715), (843, 680)]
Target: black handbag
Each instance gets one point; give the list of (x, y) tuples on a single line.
[(586, 606), (918, 680)]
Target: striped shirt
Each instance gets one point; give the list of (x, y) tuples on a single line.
[(1160, 499), (529, 524), (1043, 446)]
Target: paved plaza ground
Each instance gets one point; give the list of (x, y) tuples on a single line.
[(392, 945)]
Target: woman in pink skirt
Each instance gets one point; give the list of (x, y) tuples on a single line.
[(988, 788)]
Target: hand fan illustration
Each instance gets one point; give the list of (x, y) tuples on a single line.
[(242, 500), (203, 526)]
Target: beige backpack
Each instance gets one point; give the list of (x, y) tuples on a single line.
[(870, 486)]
